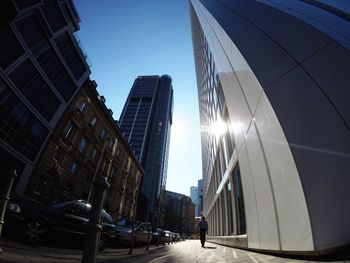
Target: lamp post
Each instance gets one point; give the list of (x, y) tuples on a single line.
[(5, 191), (93, 227), (96, 171)]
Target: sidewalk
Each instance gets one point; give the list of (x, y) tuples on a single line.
[(188, 251)]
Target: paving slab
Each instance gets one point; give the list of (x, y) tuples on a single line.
[(189, 251)]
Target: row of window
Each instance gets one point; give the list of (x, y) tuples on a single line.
[(69, 133)]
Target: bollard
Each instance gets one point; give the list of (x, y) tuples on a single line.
[(149, 229), (5, 196), (93, 226), (132, 239)]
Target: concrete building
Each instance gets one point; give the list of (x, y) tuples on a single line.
[(179, 213), (145, 121), (42, 68), (273, 86), (85, 144)]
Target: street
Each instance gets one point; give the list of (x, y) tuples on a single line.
[(184, 251)]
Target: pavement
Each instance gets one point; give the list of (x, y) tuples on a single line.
[(189, 251)]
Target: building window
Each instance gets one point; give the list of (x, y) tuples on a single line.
[(110, 144), (239, 202), (102, 134), (59, 156), (104, 166), (93, 154), (9, 43), (93, 122), (46, 56), (35, 89), (70, 55), (82, 106), (229, 196), (69, 130), (82, 144), (53, 15), (74, 168), (18, 126)]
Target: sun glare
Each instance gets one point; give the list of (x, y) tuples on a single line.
[(176, 131), (219, 128)]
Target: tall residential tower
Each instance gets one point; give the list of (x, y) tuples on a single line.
[(145, 121)]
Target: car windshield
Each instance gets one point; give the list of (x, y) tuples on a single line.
[(106, 218)]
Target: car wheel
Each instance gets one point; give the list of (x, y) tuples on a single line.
[(102, 244), (34, 232)]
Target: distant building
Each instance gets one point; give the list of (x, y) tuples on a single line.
[(145, 121), (179, 213), (42, 68), (273, 88), (85, 144), (194, 197), (200, 197)]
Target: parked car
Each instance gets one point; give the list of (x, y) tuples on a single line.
[(158, 233), (167, 236), (177, 237), (123, 231), (66, 221)]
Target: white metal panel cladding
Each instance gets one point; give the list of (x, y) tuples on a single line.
[(276, 213)]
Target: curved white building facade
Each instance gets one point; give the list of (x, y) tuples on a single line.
[(275, 124)]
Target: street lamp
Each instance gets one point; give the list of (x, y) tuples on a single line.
[(94, 225), (5, 191), (96, 171)]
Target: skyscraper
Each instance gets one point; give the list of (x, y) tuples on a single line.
[(200, 197), (273, 88), (194, 197), (146, 120)]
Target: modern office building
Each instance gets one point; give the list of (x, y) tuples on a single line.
[(194, 197), (41, 69), (145, 121), (179, 213), (86, 144), (200, 197), (273, 86)]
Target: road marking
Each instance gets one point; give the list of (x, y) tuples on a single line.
[(253, 258), (161, 259)]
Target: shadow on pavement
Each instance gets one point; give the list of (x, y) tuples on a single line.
[(208, 247)]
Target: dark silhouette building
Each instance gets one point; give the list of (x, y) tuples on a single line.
[(41, 69), (179, 215), (145, 121)]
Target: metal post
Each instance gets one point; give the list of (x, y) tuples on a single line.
[(132, 239), (98, 165), (5, 196), (149, 229), (93, 226)]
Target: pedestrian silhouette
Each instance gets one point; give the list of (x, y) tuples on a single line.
[(203, 230)]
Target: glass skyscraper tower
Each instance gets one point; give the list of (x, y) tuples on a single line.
[(145, 121)]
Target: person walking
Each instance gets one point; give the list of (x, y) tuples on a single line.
[(203, 230)]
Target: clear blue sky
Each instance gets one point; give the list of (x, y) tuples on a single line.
[(125, 39)]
